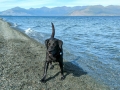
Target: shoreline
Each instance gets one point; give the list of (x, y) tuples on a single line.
[(22, 62)]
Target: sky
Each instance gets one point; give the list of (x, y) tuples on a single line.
[(8, 4)]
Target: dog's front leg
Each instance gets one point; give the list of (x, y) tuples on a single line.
[(45, 71), (61, 67)]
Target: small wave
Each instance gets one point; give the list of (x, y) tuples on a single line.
[(28, 31), (38, 26), (15, 25)]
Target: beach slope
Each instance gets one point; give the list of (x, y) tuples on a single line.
[(22, 62)]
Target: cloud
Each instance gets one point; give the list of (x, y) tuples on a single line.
[(97, 2), (7, 4)]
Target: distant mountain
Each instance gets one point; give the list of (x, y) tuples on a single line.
[(17, 11), (96, 10)]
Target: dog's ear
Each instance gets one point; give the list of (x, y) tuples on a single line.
[(60, 43), (46, 43)]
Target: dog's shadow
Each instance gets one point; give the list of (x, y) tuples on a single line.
[(70, 68)]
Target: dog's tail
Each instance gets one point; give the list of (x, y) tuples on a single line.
[(53, 31)]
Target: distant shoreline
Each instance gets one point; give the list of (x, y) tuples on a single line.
[(92, 10), (55, 16)]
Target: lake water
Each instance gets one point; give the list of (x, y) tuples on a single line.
[(93, 43)]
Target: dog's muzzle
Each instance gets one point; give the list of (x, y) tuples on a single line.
[(51, 55)]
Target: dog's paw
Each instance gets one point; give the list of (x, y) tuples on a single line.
[(52, 66), (42, 80), (62, 78)]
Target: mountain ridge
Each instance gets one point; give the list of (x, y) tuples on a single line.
[(93, 10)]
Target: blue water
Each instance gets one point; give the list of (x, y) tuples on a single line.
[(93, 43)]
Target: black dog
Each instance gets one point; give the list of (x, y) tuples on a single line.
[(54, 53)]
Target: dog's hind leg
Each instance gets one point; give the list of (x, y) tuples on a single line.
[(51, 66)]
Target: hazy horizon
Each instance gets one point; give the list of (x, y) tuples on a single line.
[(8, 4)]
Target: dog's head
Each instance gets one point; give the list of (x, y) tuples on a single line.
[(54, 46)]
